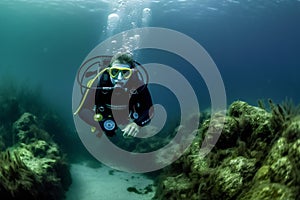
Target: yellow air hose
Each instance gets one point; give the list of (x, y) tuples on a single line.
[(89, 85)]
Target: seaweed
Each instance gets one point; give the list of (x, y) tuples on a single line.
[(16, 179), (261, 104), (283, 113), (290, 109)]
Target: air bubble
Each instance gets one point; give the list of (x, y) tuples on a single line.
[(146, 16), (113, 21)]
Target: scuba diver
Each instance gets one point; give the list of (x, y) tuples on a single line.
[(122, 100)]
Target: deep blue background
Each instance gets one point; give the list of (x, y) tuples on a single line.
[(256, 45)]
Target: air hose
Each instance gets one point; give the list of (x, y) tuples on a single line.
[(89, 85)]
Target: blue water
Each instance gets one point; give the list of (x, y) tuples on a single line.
[(255, 44)]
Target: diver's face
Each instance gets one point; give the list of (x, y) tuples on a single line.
[(119, 74)]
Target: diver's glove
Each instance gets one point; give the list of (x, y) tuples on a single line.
[(131, 129)]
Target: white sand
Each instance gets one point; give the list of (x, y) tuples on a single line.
[(104, 184)]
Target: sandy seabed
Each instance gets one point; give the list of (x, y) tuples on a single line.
[(106, 183)]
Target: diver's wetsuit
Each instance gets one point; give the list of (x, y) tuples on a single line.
[(118, 106)]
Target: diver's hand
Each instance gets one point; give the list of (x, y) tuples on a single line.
[(131, 129)]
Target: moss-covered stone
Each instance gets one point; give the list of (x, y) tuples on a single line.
[(269, 191), (222, 129), (231, 176), (278, 150), (263, 174), (178, 187), (254, 124), (257, 156), (294, 157), (294, 153), (198, 164), (33, 165), (282, 171), (292, 132)]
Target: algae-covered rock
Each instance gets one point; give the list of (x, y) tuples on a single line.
[(282, 171), (178, 187), (294, 154), (41, 148), (254, 124), (25, 121), (257, 156), (278, 150), (294, 157), (269, 191), (224, 130), (263, 174), (282, 168), (35, 164), (198, 164), (292, 132), (27, 130), (230, 178)]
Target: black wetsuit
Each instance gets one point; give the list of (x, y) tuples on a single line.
[(120, 106)]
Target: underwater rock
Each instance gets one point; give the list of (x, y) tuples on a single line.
[(178, 187), (254, 124), (294, 157), (198, 164), (282, 171), (294, 153), (269, 191), (33, 165), (231, 176), (27, 130), (278, 150), (263, 174), (41, 148), (227, 136), (281, 168), (292, 132), (252, 159), (25, 121)]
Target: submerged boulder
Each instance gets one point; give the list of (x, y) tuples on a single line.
[(256, 156), (269, 191), (232, 176), (34, 167), (27, 130)]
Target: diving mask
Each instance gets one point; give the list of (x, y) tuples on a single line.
[(116, 69)]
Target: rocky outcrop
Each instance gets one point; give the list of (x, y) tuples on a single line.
[(257, 156), (34, 167)]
